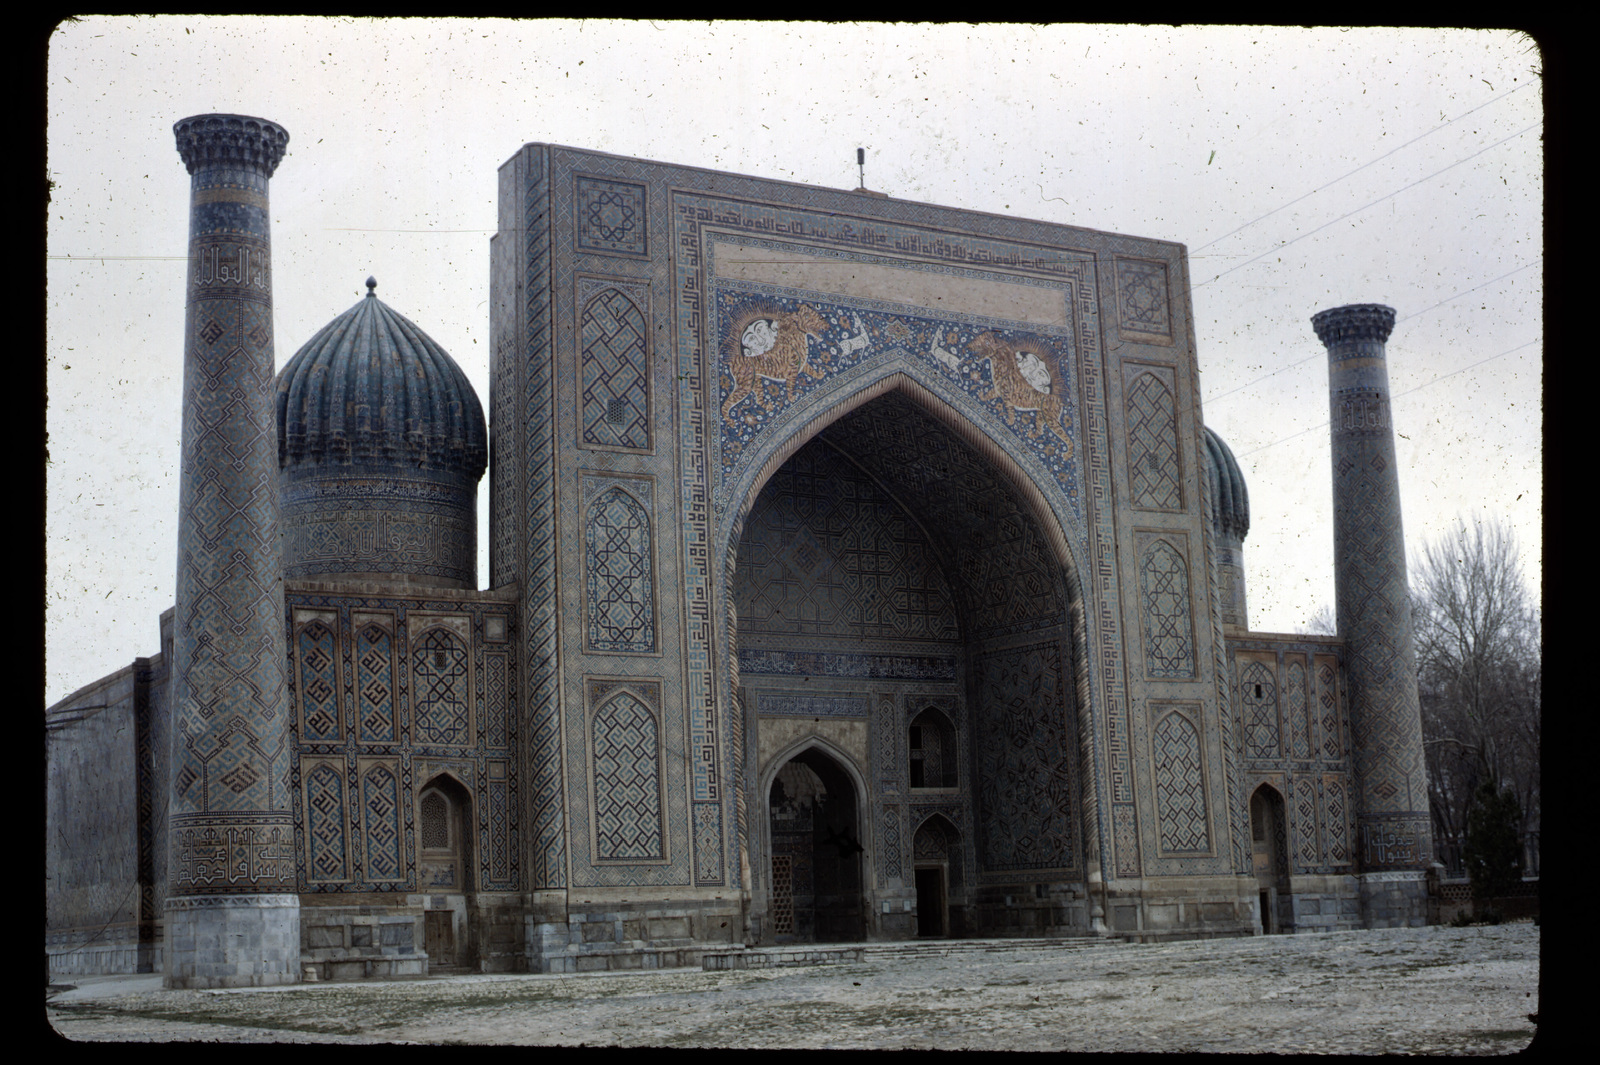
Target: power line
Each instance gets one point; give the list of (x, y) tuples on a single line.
[(120, 258), (1363, 166), (1397, 395), (1474, 288), (1363, 207), (1413, 314)]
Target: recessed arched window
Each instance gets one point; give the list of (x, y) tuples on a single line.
[(932, 743), (444, 840), (435, 822)]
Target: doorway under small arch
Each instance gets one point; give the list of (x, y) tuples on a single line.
[(445, 868), (936, 866), (816, 852), (1269, 850)]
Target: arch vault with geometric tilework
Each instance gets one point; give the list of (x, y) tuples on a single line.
[(859, 567)]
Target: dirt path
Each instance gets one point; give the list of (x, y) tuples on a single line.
[(1432, 990)]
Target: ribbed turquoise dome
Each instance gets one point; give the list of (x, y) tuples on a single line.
[(381, 443), (372, 388), (1230, 502)]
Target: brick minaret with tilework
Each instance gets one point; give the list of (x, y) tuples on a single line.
[(1374, 611), (233, 919)]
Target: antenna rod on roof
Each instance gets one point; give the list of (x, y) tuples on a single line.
[(861, 161)]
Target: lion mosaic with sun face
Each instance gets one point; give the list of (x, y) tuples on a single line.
[(774, 348), (1016, 390)]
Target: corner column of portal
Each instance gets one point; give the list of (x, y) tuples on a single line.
[(1374, 611), (233, 919)]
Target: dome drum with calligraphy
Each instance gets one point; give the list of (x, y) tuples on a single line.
[(381, 443)]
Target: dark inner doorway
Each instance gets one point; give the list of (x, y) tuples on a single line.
[(931, 909), (816, 852)]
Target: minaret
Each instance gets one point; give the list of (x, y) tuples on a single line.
[(1374, 611), (233, 919)]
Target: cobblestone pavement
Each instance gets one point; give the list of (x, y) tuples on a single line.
[(1429, 990)]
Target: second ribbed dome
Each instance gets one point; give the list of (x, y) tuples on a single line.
[(1230, 502), (373, 388)]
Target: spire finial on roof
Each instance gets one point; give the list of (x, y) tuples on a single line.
[(372, 286)]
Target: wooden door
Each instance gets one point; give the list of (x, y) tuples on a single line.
[(440, 932)]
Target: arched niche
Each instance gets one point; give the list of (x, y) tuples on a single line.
[(937, 874), (933, 752), (814, 847), (1270, 855)]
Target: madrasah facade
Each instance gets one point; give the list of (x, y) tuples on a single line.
[(859, 570)]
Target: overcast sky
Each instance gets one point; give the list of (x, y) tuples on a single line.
[(1304, 169)]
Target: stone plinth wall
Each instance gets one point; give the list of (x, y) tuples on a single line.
[(498, 926), (1186, 908), (1019, 910), (117, 950), (361, 942), (1324, 904), (660, 937)]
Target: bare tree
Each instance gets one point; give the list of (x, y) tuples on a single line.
[(1320, 623), (1479, 674)]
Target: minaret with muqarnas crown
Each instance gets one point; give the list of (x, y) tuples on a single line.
[(1374, 612), (233, 918)]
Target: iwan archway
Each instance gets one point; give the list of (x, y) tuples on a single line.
[(891, 565)]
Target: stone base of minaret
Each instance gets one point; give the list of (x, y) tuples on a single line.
[(232, 941), (1394, 900)]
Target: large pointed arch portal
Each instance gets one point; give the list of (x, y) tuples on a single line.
[(893, 558)]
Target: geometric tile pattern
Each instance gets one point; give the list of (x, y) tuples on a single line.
[(825, 551), (325, 824), (781, 907), (1234, 821), (1305, 823), (1153, 471), (1008, 580), (1294, 710), (230, 720), (1169, 633), (439, 699), (627, 782), (503, 451), (319, 683), (1336, 815), (433, 822), (1142, 297), (1180, 785), (1258, 706), (1025, 766), (889, 843), (497, 697), (380, 814), (611, 217), (500, 872), (615, 372), (382, 748), (548, 829), (1327, 699), (931, 842), (375, 694), (620, 590), (708, 843)]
